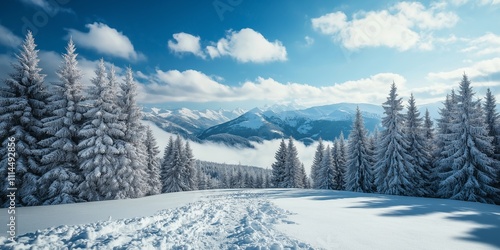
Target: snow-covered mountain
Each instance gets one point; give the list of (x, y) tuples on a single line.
[(307, 124), (187, 122)]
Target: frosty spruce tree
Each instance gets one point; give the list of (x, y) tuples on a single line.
[(359, 176), (467, 170), (415, 135), (318, 157), (61, 176), (22, 108), (101, 149), (326, 171), (278, 167), (394, 172)]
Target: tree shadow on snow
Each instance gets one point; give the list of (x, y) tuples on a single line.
[(486, 216)]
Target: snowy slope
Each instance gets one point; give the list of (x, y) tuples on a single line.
[(188, 122), (261, 219)]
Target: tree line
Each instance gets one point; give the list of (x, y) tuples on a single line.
[(458, 159)]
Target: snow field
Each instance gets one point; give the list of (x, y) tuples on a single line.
[(260, 219), (240, 220)]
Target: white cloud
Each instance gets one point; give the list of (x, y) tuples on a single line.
[(402, 26), (51, 8), (483, 68), (482, 74), (186, 43), (261, 156), (309, 40), (194, 86), (489, 2), (248, 45), (8, 38), (485, 45), (106, 40)]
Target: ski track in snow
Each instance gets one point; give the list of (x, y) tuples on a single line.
[(241, 220)]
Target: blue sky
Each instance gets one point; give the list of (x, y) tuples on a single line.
[(242, 53)]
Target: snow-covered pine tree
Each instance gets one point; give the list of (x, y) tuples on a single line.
[(100, 147), (165, 163), (373, 140), (414, 133), (293, 177), (441, 157), (428, 129), (493, 126), (61, 175), (492, 122), (359, 175), (340, 161), (318, 157), (306, 183), (188, 169), (174, 180), (339, 175), (23, 106), (326, 171), (278, 167), (472, 175), (394, 171), (430, 138), (136, 169), (153, 163)]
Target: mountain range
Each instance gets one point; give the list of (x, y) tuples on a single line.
[(239, 128)]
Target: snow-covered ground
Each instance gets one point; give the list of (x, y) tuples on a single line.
[(260, 219)]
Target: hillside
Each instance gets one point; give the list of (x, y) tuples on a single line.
[(260, 219)]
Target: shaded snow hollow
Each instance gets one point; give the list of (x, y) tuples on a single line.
[(260, 219)]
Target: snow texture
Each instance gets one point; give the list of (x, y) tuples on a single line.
[(260, 219)]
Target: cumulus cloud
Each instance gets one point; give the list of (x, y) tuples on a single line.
[(8, 38), (487, 44), (186, 43), (195, 86), (106, 40), (261, 156), (482, 69), (402, 26), (247, 45), (482, 74)]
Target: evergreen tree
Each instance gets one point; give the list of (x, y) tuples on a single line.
[(305, 180), (418, 149), (23, 102), (153, 163), (326, 171), (471, 173), (394, 171), (100, 147), (318, 157), (173, 167), (189, 171), (359, 176), (443, 135), (278, 167), (340, 162), (428, 129), (493, 126), (165, 163), (61, 176), (293, 177), (134, 139)]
